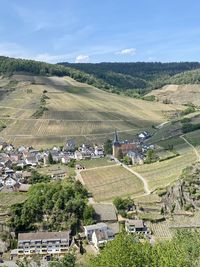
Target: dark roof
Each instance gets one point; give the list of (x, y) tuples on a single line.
[(43, 235), (105, 212), (135, 223)]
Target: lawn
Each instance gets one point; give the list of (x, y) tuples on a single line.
[(108, 182), (161, 174)]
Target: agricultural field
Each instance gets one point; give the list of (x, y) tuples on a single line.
[(73, 110), (105, 183), (94, 163), (8, 199), (161, 231), (161, 174), (179, 94)]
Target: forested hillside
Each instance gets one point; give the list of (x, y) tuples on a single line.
[(139, 75), (9, 66)]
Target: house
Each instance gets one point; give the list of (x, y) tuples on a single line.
[(101, 236), (24, 187), (89, 229), (9, 148), (31, 161), (78, 155), (136, 158), (9, 182), (65, 159), (135, 226), (70, 145), (43, 243), (57, 174), (99, 152), (144, 135)]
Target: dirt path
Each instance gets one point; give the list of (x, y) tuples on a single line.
[(194, 149), (146, 188)]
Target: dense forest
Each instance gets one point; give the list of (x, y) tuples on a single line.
[(9, 66), (139, 75), (53, 206)]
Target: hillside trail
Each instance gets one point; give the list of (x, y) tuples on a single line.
[(146, 187), (194, 149)]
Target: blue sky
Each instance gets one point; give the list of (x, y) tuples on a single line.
[(100, 30)]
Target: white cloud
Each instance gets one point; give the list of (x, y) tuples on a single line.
[(127, 51), (82, 59), (51, 58)]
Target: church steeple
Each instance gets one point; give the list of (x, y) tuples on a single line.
[(116, 138)]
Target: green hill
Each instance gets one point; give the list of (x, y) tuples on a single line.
[(140, 75)]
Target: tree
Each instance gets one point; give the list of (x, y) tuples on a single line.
[(50, 158), (127, 251), (151, 156), (68, 261), (108, 147), (127, 160), (88, 215)]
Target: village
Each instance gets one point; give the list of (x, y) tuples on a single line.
[(17, 166), (16, 163)]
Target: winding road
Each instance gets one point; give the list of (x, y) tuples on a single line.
[(194, 149), (146, 188)]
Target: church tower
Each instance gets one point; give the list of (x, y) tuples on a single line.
[(116, 144)]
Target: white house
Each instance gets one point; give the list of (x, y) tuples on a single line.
[(101, 237), (78, 155), (89, 229), (135, 226)]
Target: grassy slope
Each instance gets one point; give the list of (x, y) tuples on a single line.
[(179, 94), (74, 110)]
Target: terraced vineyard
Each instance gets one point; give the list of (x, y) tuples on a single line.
[(73, 110), (161, 174), (105, 183)]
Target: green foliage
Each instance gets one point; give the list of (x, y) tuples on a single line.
[(186, 120), (68, 261), (127, 251), (123, 204), (61, 204), (151, 156), (88, 215), (36, 177), (127, 160), (189, 127), (108, 147), (139, 75), (71, 164), (188, 110)]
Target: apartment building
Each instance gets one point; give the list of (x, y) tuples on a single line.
[(44, 243)]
